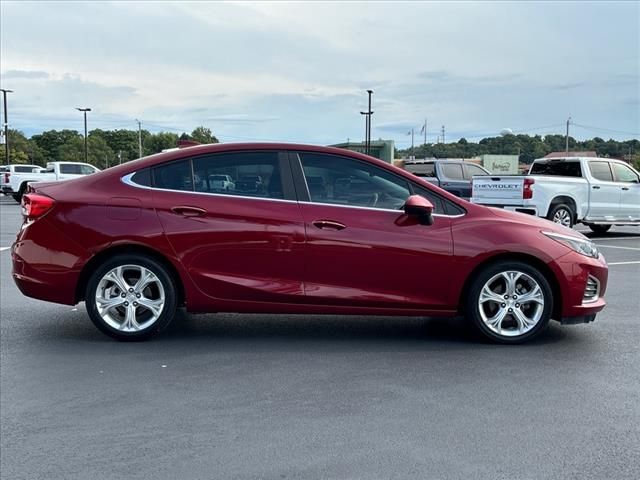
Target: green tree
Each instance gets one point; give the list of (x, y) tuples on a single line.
[(50, 141), (98, 152), (157, 142), (203, 135)]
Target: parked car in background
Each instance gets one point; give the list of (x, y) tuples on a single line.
[(599, 192), (15, 183), (221, 182), (7, 171), (138, 240), (452, 175)]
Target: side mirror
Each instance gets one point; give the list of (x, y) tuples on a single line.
[(418, 206)]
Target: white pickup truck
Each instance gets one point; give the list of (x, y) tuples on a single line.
[(599, 192), (14, 181)]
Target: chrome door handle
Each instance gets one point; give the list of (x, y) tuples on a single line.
[(596, 187), (328, 225), (187, 211)]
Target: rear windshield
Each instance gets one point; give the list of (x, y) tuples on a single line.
[(562, 169)]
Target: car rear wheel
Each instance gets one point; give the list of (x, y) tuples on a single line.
[(131, 297), (562, 214), (599, 228), (510, 302)]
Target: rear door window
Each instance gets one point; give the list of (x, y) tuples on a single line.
[(452, 171), (247, 174), (70, 168), (558, 168), (601, 171)]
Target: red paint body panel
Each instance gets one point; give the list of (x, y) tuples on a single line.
[(256, 255)]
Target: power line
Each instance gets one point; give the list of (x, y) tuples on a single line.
[(602, 129)]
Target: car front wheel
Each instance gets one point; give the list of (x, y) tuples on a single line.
[(131, 297), (510, 302)]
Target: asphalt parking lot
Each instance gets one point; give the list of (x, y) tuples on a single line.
[(287, 397)]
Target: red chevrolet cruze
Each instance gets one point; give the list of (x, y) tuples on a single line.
[(283, 228)]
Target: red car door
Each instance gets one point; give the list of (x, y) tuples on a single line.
[(362, 250), (239, 240)]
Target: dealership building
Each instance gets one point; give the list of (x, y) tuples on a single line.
[(381, 149)]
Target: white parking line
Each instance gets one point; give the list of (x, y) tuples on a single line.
[(625, 263), (2, 249), (605, 239), (616, 246)]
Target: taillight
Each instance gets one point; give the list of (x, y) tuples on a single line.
[(6, 177), (527, 191), (35, 205)]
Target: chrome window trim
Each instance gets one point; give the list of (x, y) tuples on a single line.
[(127, 181)]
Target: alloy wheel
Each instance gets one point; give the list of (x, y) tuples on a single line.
[(130, 298), (511, 303), (562, 217)]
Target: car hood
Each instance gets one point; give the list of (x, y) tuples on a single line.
[(536, 222)]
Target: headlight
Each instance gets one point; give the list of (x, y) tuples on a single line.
[(580, 245)]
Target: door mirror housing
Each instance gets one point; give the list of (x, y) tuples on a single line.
[(420, 207)]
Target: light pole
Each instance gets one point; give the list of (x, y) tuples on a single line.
[(566, 138), (368, 113), (85, 110), (139, 138), (6, 124)]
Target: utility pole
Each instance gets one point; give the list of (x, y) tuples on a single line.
[(566, 138), (6, 124), (139, 138), (425, 132), (367, 136), (443, 134), (85, 110), (412, 156)]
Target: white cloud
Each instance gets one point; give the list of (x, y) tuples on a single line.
[(298, 71)]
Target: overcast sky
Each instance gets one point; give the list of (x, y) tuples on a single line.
[(298, 71)]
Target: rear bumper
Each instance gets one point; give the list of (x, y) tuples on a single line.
[(7, 190), (47, 263)]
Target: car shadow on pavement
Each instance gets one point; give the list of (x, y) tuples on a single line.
[(410, 332)]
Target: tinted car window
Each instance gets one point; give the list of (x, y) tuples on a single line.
[(624, 173), (143, 177), (249, 174), (87, 170), (559, 168), (472, 170), (70, 168), (422, 169), (601, 171), (18, 169), (452, 171), (344, 181), (173, 176)]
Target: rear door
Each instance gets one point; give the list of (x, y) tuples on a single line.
[(362, 250), (243, 242), (452, 179), (604, 192), (629, 182)]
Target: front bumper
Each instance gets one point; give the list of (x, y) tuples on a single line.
[(572, 271)]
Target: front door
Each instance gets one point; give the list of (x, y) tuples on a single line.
[(604, 193), (362, 250), (629, 184), (242, 238)]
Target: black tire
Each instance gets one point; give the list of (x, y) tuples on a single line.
[(564, 211), (17, 197), (599, 228), (168, 284), (472, 308)]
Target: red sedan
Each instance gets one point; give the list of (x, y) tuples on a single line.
[(294, 229)]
